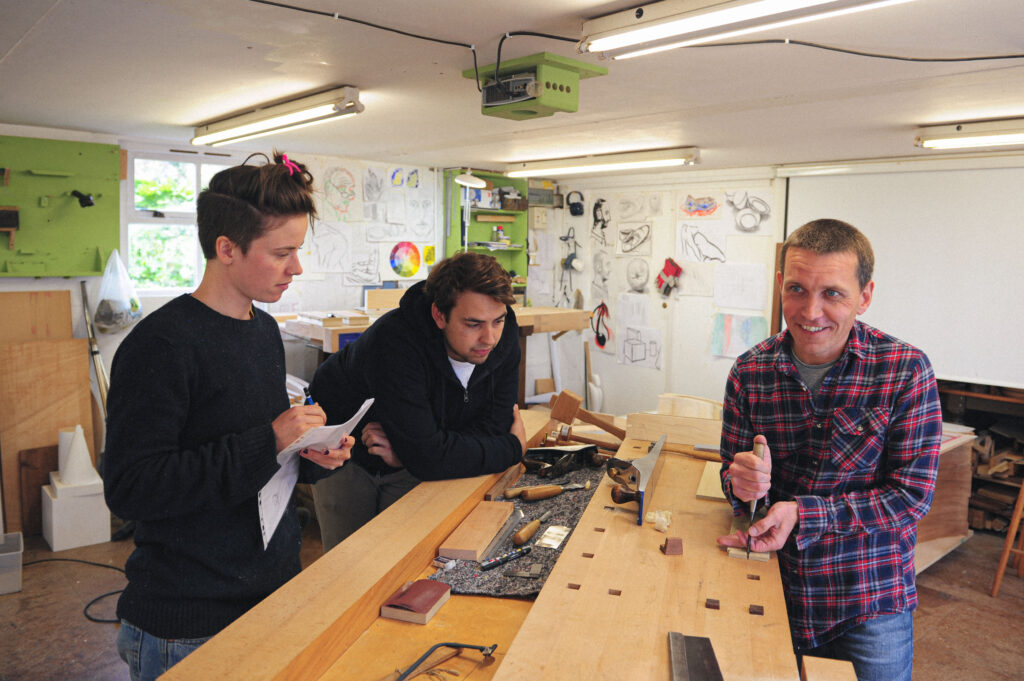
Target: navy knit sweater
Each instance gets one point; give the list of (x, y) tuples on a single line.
[(189, 446)]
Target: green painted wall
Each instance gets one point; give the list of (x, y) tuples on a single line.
[(57, 237)]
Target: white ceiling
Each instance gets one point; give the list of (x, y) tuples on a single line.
[(156, 69)]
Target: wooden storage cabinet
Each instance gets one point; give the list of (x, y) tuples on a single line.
[(997, 415)]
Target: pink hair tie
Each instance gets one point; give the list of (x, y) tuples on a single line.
[(292, 168)]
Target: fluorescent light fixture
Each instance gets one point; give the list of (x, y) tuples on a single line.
[(972, 135), (606, 163), (270, 120), (670, 24)]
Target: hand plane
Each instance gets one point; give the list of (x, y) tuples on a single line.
[(635, 478)]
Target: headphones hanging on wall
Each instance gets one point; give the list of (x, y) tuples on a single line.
[(575, 207)]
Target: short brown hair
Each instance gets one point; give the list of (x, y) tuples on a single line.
[(467, 272), (832, 236), (242, 202)]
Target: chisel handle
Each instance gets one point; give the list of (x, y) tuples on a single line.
[(540, 492), (523, 535), (759, 453)]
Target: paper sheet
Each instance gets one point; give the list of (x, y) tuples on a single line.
[(274, 496)]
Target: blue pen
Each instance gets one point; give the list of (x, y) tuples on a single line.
[(309, 398)]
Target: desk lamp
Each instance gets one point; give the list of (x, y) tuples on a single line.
[(467, 181)]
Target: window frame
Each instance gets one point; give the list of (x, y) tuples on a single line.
[(130, 215)]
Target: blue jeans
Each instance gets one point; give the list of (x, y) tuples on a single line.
[(148, 656), (881, 649)]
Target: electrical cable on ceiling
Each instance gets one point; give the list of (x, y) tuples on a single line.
[(85, 610), (510, 34)]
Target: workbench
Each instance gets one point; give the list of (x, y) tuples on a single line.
[(531, 320), (604, 611)]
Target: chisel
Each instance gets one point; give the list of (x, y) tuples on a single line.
[(759, 453), (523, 535), (548, 491)]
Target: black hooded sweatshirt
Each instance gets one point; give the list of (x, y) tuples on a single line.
[(437, 428)]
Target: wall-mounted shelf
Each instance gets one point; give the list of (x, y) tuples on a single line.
[(483, 221)]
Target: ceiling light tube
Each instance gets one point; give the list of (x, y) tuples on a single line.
[(1002, 133), (699, 22), (270, 120), (606, 163)]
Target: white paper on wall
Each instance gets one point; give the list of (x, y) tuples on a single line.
[(741, 285), (640, 346)]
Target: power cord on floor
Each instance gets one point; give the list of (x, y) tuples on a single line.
[(85, 610)]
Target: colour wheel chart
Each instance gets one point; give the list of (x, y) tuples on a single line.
[(405, 259)]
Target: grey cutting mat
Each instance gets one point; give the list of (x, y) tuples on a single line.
[(566, 508)]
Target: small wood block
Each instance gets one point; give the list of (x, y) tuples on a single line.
[(824, 669), (507, 479), (544, 385), (712, 604), (742, 553), (710, 486), (756, 609), (473, 535), (673, 546)]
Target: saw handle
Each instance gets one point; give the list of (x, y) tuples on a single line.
[(540, 492), (622, 494)]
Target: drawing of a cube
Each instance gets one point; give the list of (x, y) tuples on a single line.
[(634, 348)]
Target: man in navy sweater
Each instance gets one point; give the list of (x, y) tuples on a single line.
[(198, 412), (443, 369)]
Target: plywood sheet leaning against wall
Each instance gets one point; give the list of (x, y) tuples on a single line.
[(35, 315), (613, 595), (44, 386)]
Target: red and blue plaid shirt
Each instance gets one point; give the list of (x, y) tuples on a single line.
[(859, 458)]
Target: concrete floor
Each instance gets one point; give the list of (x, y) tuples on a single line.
[(960, 631)]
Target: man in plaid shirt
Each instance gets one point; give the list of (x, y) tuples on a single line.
[(851, 421)]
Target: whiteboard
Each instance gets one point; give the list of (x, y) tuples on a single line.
[(949, 261)]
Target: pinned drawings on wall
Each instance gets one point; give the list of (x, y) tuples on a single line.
[(750, 213), (704, 242), (638, 272), (699, 206), (633, 239), (741, 285), (600, 232), (602, 270), (342, 200), (638, 205), (733, 335), (641, 346), (404, 260), (696, 279)]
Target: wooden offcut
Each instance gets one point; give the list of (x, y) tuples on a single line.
[(471, 538), (710, 486), (825, 669), (35, 467)]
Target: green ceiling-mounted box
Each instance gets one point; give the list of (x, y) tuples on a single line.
[(530, 87)]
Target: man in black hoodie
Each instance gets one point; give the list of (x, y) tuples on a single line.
[(443, 369)]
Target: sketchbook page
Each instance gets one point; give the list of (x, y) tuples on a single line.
[(274, 496)]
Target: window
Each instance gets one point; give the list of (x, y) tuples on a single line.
[(159, 239)]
